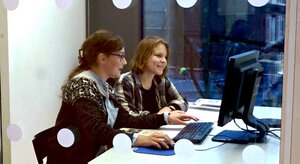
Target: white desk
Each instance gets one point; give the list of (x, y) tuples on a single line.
[(225, 154)]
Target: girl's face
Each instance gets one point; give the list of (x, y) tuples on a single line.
[(114, 64), (157, 62)]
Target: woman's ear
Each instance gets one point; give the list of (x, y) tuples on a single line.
[(101, 58)]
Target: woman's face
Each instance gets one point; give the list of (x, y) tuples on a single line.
[(157, 62), (115, 63)]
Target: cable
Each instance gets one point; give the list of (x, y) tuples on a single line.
[(272, 134), (211, 147), (247, 129), (269, 132)]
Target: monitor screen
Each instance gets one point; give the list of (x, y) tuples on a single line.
[(242, 82)]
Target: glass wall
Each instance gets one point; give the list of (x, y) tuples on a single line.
[(204, 36)]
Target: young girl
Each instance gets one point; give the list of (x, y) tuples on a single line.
[(146, 89)]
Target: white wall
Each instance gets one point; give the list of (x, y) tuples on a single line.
[(43, 42)]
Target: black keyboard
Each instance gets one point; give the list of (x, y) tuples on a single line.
[(196, 132)]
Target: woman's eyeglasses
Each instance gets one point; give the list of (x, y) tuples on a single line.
[(121, 55)]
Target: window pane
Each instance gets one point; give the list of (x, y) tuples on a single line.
[(203, 37)]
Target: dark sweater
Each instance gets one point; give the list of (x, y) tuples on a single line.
[(83, 111)]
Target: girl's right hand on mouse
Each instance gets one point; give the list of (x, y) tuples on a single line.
[(156, 139)]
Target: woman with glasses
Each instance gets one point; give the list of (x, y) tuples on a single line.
[(91, 111), (146, 89)]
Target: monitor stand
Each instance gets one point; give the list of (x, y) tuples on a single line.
[(239, 137), (245, 136)]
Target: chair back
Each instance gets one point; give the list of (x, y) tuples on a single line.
[(40, 144)]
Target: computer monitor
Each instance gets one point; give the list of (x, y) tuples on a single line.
[(242, 82)]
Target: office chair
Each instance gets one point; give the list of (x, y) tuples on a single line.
[(40, 144)]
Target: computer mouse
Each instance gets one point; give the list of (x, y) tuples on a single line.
[(171, 147)]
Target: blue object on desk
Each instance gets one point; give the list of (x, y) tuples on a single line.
[(146, 150)]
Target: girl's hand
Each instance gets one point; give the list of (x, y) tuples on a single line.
[(180, 117), (156, 139)]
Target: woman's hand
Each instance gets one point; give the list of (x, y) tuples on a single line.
[(156, 139), (180, 117)]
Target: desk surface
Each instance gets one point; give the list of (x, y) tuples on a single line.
[(225, 154)]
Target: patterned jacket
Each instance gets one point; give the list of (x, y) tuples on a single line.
[(83, 110), (128, 89)]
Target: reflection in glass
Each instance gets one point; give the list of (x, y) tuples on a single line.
[(204, 36)]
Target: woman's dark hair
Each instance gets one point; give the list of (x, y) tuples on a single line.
[(101, 41), (144, 52), (241, 30)]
